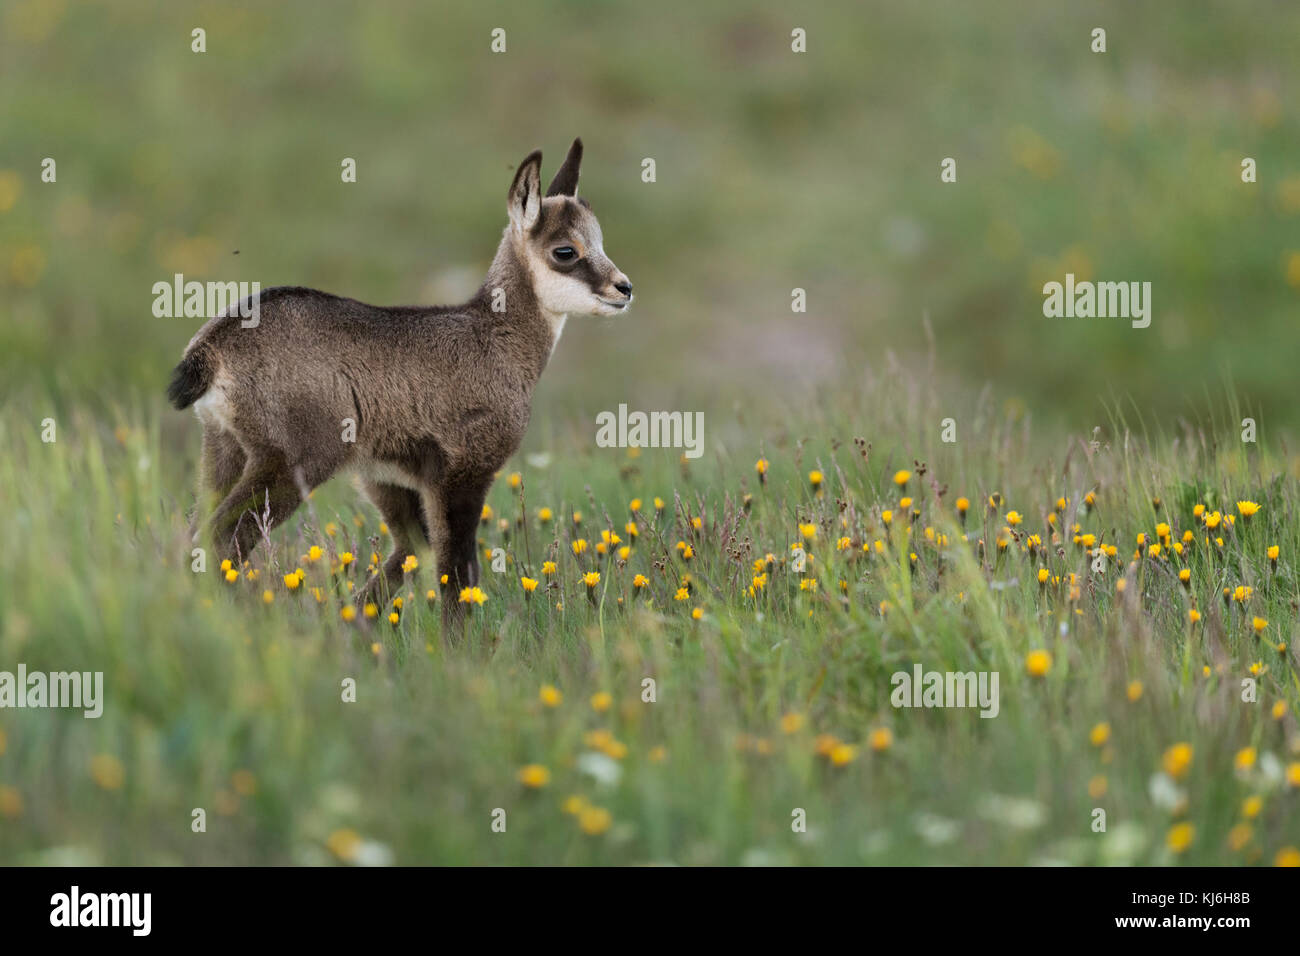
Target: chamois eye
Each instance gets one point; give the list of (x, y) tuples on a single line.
[(565, 253)]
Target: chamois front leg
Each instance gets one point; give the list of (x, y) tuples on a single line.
[(461, 503), (404, 514)]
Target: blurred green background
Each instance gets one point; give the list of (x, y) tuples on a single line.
[(775, 170)]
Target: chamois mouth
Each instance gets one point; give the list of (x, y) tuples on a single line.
[(616, 305)]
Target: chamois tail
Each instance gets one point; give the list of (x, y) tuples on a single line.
[(191, 378)]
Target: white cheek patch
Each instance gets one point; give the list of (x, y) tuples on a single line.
[(559, 293)]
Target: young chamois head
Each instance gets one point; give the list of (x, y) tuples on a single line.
[(558, 240)]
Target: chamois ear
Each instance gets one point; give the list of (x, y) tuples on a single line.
[(524, 203), (565, 182)]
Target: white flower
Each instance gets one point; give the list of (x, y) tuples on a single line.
[(603, 769), (936, 830), (1164, 793)]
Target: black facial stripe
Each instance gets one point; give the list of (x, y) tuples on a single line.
[(585, 271)]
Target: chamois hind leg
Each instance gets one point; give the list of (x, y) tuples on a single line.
[(222, 464), (460, 501), (404, 514), (266, 492)]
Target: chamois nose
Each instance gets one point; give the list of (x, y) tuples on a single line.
[(625, 287)]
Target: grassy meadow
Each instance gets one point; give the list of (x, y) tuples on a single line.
[(1124, 561), (771, 687)]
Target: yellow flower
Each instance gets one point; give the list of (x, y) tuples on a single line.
[(1245, 758), (544, 515), (410, 564), (346, 558), (550, 695), (1251, 806), (1100, 734), (232, 575), (697, 613), (683, 594), (640, 581), (573, 805), (107, 771), (314, 553), (393, 618), (472, 596), (1134, 690), (1259, 624), (487, 513), (11, 802), (1193, 615), (514, 479), (881, 739), (1038, 663), (348, 613), (1180, 836), (760, 466), (1177, 760), (1239, 836), (1287, 856), (579, 546), (1273, 553), (528, 584), (1293, 774), (344, 844), (1279, 710), (792, 723), (534, 776), (815, 478), (886, 516), (268, 597), (594, 821), (843, 754), (963, 505), (1247, 508), (1013, 518), (601, 701)]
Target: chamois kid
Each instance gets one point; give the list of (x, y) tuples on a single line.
[(440, 395)]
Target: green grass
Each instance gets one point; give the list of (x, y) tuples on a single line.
[(211, 692), (775, 171)]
